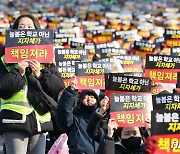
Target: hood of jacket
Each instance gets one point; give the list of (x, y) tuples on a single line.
[(88, 92)]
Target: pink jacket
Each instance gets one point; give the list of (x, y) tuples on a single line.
[(60, 145)]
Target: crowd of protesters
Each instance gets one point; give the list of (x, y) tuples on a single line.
[(83, 115)]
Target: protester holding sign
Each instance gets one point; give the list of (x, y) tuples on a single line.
[(114, 139), (74, 120), (24, 128), (130, 140)]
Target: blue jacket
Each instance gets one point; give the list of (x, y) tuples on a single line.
[(74, 122)]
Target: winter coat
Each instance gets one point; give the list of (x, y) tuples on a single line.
[(97, 126), (12, 82), (97, 130), (107, 146), (74, 122)]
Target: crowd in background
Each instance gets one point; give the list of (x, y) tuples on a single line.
[(82, 115)]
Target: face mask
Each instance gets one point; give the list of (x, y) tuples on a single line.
[(132, 143)]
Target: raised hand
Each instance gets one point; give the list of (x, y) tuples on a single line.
[(112, 125), (73, 83), (104, 105)]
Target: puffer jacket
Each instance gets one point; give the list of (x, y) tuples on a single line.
[(74, 122), (12, 82), (97, 126)]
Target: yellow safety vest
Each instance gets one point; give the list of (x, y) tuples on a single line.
[(19, 102)]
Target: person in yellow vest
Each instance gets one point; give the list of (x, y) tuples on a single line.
[(23, 129)]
